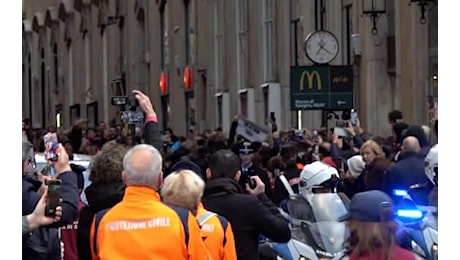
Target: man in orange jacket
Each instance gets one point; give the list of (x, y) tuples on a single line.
[(184, 188), (141, 226)]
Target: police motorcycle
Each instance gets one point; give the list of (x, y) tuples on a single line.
[(419, 223), (418, 228), (312, 215)]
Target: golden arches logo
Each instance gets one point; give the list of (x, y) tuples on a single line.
[(310, 77)]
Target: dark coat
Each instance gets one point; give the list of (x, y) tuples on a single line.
[(43, 243), (409, 170), (374, 174), (99, 196), (250, 216)]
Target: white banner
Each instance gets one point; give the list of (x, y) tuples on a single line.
[(251, 131)]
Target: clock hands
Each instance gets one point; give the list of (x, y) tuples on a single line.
[(321, 47)]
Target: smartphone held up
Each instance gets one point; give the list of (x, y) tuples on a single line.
[(53, 197), (51, 147), (354, 117)]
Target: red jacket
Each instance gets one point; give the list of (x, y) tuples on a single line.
[(398, 253)]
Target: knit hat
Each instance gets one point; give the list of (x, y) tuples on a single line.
[(186, 164), (356, 165)]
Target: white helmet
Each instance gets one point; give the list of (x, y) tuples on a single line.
[(431, 165), (315, 175)]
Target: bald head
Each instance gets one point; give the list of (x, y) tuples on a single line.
[(410, 144), (142, 166)]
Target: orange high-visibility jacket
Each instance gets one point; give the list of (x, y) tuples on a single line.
[(217, 236), (142, 227)]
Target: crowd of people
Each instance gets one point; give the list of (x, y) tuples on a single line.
[(213, 195)]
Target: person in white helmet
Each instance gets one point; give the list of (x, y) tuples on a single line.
[(431, 171), (315, 178), (318, 177)]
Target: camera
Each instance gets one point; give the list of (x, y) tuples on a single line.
[(252, 183), (129, 101), (131, 116)]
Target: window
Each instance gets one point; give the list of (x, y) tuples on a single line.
[(187, 30), (91, 111), (218, 44), (42, 86), (244, 104), (202, 106), (266, 101), (220, 111), (74, 112), (141, 71), (391, 45), (190, 109), (320, 14), (268, 50), (70, 73), (346, 34), (294, 33), (29, 85), (164, 24), (165, 108), (241, 42), (56, 66)]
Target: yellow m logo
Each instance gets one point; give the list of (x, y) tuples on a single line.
[(310, 77)]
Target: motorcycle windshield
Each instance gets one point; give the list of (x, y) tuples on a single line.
[(328, 234), (327, 207), (329, 237)]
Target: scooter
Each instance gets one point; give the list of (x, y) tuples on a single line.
[(315, 232), (418, 226)]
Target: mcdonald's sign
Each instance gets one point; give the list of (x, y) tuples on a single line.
[(311, 76), (321, 87)]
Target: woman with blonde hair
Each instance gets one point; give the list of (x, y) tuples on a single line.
[(370, 220), (376, 165), (184, 188)]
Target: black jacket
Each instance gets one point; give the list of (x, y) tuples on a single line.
[(99, 196), (409, 170), (153, 135), (292, 175), (250, 216), (43, 243)]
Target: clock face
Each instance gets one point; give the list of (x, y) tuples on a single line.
[(321, 47)]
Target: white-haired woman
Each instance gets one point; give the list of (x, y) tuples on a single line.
[(185, 189)]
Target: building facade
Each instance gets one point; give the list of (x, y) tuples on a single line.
[(202, 62)]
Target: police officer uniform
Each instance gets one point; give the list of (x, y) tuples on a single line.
[(246, 148)]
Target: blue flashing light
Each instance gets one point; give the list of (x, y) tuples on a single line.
[(409, 213), (400, 192)]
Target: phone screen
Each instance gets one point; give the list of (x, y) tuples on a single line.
[(54, 194), (132, 117), (354, 118), (51, 146)]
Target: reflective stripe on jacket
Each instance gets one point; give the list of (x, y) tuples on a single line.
[(219, 240)]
